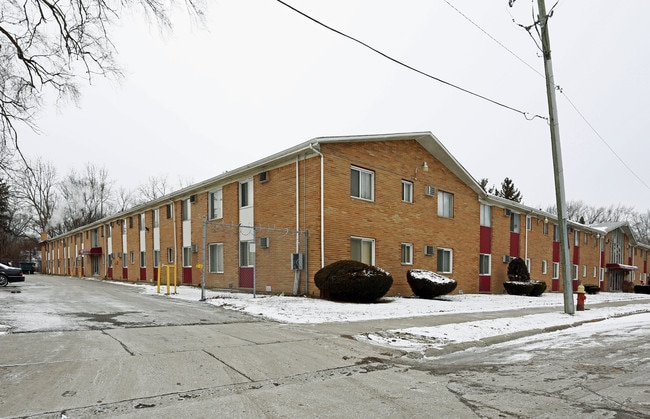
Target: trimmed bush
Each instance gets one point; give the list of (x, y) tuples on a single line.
[(427, 284), (519, 287), (592, 289), (352, 281), (518, 271), (538, 288), (642, 289)]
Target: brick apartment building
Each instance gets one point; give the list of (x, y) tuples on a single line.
[(398, 201)]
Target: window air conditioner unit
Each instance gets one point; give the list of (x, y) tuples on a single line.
[(506, 259), (430, 191), (263, 177), (507, 212), (195, 248), (192, 198), (296, 261), (264, 242), (429, 250)]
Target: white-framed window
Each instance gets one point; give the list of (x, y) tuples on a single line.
[(216, 204), (407, 191), (156, 258), (528, 265), (132, 257), (514, 222), (556, 233), (556, 270), (216, 258), (185, 209), (143, 259), (576, 238), (586, 238), (246, 253), (109, 230), (445, 260), (142, 222), (407, 254), (124, 227), (544, 267), (595, 272), (602, 275), (125, 261), (485, 264), (156, 217), (486, 215), (574, 271), (170, 255), (545, 228), (529, 223), (445, 204), (187, 256), (362, 183), (584, 271), (363, 250)]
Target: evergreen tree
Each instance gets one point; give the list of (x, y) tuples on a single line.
[(509, 191)]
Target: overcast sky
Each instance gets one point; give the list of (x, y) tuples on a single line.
[(260, 78)]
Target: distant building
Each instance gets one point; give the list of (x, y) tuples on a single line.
[(398, 201)]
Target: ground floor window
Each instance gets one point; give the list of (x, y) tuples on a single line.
[(187, 256), (362, 250), (247, 253), (556, 270), (216, 258), (156, 258), (407, 254), (445, 260), (485, 264)]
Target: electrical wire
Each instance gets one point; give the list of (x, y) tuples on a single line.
[(529, 116)]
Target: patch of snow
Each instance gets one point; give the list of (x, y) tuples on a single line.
[(430, 276)]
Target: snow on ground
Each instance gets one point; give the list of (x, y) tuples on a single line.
[(288, 309)]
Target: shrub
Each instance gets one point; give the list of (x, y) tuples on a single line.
[(519, 287), (349, 280), (427, 284), (642, 289), (592, 289), (518, 271), (538, 288)]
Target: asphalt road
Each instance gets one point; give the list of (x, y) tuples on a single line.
[(83, 348)]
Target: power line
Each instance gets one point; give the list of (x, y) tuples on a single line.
[(526, 115)]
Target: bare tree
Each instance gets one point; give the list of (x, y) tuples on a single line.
[(36, 185), (153, 189), (123, 199), (88, 197), (640, 225), (52, 45)]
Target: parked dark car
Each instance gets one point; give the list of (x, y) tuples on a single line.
[(10, 274)]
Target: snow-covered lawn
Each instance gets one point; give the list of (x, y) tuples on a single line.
[(305, 310)]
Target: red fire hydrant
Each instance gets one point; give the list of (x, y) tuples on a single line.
[(581, 298)]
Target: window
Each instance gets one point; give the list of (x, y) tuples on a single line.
[(170, 210), (187, 255), (155, 215), (514, 222), (143, 260), (486, 215), (216, 258), (528, 265), (586, 238), (545, 227), (556, 270), (132, 257), (130, 222), (407, 254), (444, 260), (576, 238), (142, 222), (124, 227), (243, 195), (584, 271), (556, 233), (125, 261), (445, 204), (407, 191), (574, 272), (529, 223), (216, 204), (109, 230), (544, 267), (185, 209), (595, 271), (362, 183), (362, 250), (156, 258), (170, 255), (484, 264), (246, 253)]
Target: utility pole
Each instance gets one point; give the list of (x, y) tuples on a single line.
[(565, 263)]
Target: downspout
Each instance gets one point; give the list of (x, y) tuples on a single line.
[(296, 273), (322, 207), (173, 204)]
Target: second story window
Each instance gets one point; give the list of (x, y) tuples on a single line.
[(362, 183), (445, 204), (216, 204), (407, 191), (486, 215)]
